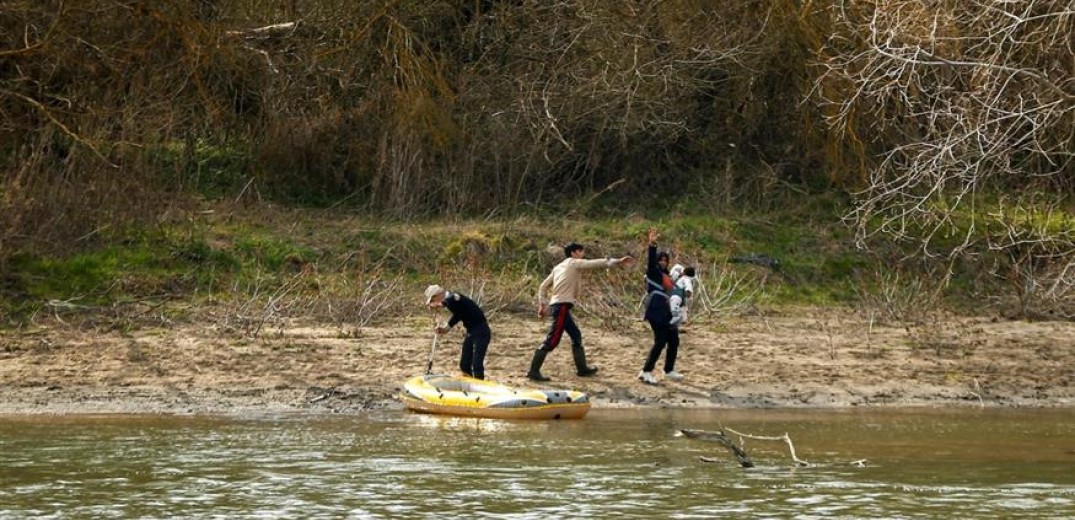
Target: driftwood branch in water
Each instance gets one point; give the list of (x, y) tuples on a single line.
[(785, 438), (737, 449), (718, 436)]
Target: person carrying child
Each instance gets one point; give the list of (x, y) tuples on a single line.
[(658, 314)]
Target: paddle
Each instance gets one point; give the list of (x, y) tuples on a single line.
[(433, 350)]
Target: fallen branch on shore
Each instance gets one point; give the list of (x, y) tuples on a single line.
[(738, 449)]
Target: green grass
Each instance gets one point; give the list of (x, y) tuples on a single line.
[(273, 254), (230, 255), (95, 277)]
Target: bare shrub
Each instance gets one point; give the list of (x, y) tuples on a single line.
[(260, 303), (615, 299), (959, 100), (720, 291), (914, 301), (1035, 243), (358, 302), (120, 315), (89, 92), (888, 297), (956, 98)]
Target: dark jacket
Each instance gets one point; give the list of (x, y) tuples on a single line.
[(658, 309), (465, 310)]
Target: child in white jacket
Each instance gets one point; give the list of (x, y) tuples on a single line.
[(683, 277), (678, 310)]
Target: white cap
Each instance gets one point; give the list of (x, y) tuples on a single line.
[(432, 291)]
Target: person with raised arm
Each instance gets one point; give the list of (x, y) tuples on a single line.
[(659, 315)]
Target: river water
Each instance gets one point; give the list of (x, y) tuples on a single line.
[(949, 463)]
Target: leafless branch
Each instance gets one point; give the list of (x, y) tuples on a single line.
[(59, 124), (738, 449), (960, 101)]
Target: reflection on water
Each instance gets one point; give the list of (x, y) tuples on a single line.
[(918, 463)]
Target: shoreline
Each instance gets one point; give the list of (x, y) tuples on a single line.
[(801, 361), (162, 401)]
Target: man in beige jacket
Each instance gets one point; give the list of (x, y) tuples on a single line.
[(565, 282)]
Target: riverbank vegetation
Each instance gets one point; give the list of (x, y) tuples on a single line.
[(249, 161)]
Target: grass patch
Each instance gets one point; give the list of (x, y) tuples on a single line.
[(93, 278), (350, 263), (273, 254)]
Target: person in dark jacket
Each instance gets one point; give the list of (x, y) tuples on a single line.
[(659, 314), (478, 335)]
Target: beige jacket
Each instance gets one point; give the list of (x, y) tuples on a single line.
[(566, 279)]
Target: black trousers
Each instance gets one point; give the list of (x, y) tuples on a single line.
[(561, 322), (664, 335), (472, 358)]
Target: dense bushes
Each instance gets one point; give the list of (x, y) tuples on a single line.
[(116, 111)]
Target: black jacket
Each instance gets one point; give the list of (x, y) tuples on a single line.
[(658, 309), (464, 310)]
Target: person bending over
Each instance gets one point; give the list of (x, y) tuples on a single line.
[(478, 335)]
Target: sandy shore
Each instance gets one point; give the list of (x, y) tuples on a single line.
[(803, 359)]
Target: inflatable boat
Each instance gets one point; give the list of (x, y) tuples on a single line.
[(465, 396)]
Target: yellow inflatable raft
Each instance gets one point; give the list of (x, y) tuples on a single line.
[(459, 395)]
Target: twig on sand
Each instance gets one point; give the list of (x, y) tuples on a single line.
[(978, 394), (331, 392)]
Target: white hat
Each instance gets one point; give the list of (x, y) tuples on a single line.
[(432, 291), (676, 272)]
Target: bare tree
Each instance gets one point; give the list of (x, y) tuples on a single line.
[(960, 101)]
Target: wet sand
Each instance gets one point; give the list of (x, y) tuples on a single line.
[(808, 358)]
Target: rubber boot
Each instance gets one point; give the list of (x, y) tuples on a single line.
[(479, 375), (580, 362), (535, 366)]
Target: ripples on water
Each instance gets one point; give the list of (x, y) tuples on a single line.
[(920, 464)]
